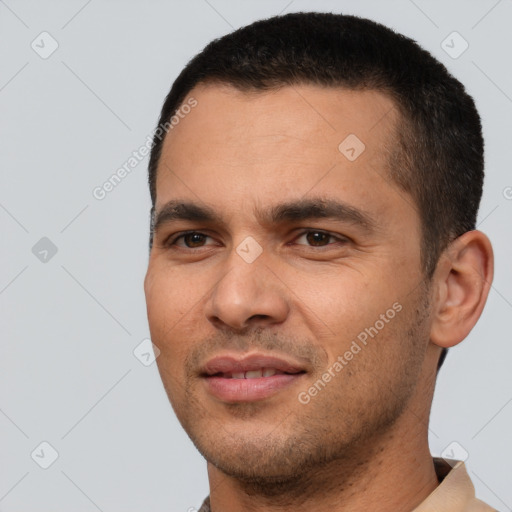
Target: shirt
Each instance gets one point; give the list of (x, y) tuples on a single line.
[(455, 492)]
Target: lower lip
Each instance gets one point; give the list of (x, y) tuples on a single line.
[(249, 390)]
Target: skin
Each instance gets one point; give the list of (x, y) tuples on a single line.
[(304, 297)]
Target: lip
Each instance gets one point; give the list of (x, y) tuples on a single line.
[(228, 389), (232, 363)]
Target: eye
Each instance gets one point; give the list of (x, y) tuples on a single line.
[(195, 239), (191, 239), (317, 238)]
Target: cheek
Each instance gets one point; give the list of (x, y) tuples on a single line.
[(340, 298), (170, 292), (345, 304), (167, 310)]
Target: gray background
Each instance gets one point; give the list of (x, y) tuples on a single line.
[(70, 323)]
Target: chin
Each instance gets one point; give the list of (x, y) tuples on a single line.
[(273, 456)]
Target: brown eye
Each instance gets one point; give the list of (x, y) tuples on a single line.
[(315, 238), (191, 240)]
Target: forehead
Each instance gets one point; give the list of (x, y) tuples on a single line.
[(307, 112), (282, 144)]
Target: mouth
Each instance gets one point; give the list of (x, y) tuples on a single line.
[(232, 378), (252, 374)]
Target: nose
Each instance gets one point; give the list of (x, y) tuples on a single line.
[(247, 295)]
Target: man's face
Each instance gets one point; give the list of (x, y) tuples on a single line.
[(286, 297)]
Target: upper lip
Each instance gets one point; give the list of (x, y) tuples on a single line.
[(230, 363)]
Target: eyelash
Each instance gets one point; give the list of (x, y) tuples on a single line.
[(171, 241)]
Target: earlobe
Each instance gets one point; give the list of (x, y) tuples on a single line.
[(463, 280)]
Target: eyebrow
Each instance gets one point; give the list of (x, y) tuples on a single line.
[(292, 211)]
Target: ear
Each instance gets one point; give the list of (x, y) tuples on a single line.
[(462, 280)]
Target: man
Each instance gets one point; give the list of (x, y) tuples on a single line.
[(315, 181)]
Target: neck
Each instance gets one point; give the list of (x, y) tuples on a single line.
[(396, 473)]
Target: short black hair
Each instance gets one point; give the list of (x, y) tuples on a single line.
[(438, 157)]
